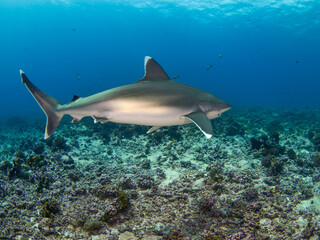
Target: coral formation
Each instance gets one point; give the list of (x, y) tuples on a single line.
[(291, 154), (122, 201), (92, 225), (49, 208), (59, 143), (115, 182), (38, 149), (36, 161)]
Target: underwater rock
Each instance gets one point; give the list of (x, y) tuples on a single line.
[(126, 183), (315, 139), (158, 136), (274, 126), (5, 166), (272, 181), (49, 142), (161, 173), (127, 236), (274, 137), (250, 194), (110, 214), (291, 154), (49, 208), (36, 161), (268, 145), (145, 182), (59, 143), (92, 225), (42, 183), (174, 235), (215, 173), (47, 228), (74, 176), (174, 133), (2, 192), (122, 202), (234, 128), (306, 192), (186, 164), (255, 144), (38, 149), (266, 161), (274, 150), (146, 164), (127, 131), (20, 155), (104, 180), (65, 159), (206, 204), (104, 192), (275, 165), (15, 171), (315, 159)]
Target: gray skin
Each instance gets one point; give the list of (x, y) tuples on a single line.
[(155, 100)]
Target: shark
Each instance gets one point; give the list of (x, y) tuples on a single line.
[(155, 100)]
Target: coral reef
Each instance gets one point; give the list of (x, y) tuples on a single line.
[(257, 178)]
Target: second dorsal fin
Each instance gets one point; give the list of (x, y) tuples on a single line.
[(75, 97), (153, 71)]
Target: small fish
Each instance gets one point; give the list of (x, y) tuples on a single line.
[(209, 67), (155, 100), (220, 56), (175, 77)]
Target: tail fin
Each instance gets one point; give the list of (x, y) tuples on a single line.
[(48, 104)]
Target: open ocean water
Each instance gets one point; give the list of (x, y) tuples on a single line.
[(258, 177)]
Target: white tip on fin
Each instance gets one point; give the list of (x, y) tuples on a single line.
[(207, 135), (146, 59), (202, 122)]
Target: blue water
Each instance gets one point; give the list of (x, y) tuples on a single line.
[(262, 54)]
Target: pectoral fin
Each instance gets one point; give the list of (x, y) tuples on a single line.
[(202, 122)]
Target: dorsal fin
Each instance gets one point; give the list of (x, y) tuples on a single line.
[(75, 97), (153, 71)]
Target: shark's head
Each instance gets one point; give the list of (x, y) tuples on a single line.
[(213, 107)]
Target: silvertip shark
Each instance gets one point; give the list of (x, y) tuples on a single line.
[(155, 100)]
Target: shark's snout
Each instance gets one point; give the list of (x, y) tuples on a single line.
[(226, 107)]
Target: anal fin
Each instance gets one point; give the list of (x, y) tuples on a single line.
[(100, 119), (75, 98), (75, 119), (154, 128)]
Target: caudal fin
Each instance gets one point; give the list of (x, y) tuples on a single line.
[(48, 104)]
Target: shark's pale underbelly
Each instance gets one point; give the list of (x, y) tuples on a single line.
[(147, 113), (154, 117)]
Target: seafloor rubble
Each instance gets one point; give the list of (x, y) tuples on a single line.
[(257, 178)]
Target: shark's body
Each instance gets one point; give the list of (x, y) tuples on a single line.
[(155, 100)]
